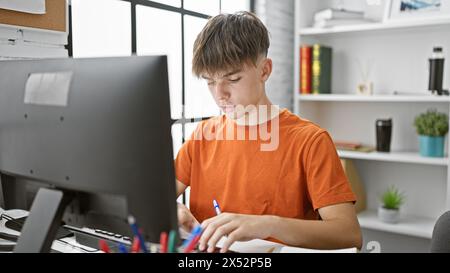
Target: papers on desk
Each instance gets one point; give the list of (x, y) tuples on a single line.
[(28, 6), (263, 246)]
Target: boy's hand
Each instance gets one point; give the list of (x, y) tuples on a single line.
[(237, 227), (186, 220)]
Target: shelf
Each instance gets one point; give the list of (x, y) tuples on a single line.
[(397, 24), (408, 225), (373, 98), (402, 157)]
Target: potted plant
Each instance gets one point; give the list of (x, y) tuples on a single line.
[(391, 201), (432, 127)]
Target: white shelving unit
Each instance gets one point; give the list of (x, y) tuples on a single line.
[(403, 24), (373, 98), (401, 157), (409, 225), (397, 52)]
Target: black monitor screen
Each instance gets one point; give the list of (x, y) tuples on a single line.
[(95, 126)]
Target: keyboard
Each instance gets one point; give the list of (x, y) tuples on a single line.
[(18, 223), (91, 237)]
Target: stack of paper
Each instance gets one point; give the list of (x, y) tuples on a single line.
[(28, 6), (29, 43), (338, 17), (29, 51)]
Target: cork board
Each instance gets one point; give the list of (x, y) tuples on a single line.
[(53, 19)]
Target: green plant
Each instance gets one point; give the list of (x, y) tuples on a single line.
[(392, 198), (432, 123)]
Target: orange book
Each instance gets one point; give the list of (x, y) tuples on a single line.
[(305, 69)]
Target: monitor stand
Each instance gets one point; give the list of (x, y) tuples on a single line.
[(43, 222), (12, 192)]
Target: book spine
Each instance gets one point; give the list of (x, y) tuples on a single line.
[(321, 69), (305, 69)]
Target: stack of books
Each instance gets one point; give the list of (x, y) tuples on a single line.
[(315, 69), (338, 17), (353, 146)]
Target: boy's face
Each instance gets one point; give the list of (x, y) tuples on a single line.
[(241, 88)]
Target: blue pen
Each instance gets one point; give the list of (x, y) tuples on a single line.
[(196, 231), (122, 248), (216, 207), (136, 232)]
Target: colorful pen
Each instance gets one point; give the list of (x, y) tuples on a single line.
[(196, 231), (136, 232), (135, 246), (172, 241), (122, 248), (192, 244), (103, 246), (163, 242), (216, 207)]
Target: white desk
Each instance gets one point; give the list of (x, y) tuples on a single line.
[(263, 246), (253, 246)]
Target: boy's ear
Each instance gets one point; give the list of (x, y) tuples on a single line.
[(266, 69)]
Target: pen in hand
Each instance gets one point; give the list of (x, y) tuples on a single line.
[(216, 207)]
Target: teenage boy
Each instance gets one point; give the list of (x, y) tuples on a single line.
[(292, 191)]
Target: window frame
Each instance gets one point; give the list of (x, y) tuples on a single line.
[(148, 3)]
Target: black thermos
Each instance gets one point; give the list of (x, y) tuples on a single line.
[(436, 70), (384, 132)]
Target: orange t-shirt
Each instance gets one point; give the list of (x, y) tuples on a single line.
[(301, 175)]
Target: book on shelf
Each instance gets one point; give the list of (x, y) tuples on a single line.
[(353, 146), (321, 69), (331, 13), (305, 69), (347, 145)]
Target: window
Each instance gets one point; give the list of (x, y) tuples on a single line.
[(109, 35), (209, 7), (199, 102), (177, 137), (231, 6), (168, 27), (152, 39), (175, 3)]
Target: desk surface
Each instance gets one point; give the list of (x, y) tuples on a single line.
[(69, 244), (263, 246)]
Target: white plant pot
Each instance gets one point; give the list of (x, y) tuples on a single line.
[(391, 216)]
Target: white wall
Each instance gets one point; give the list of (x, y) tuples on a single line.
[(278, 16)]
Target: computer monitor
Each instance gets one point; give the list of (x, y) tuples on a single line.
[(88, 127)]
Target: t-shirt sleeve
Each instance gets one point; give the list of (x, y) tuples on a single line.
[(326, 180), (183, 162)]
